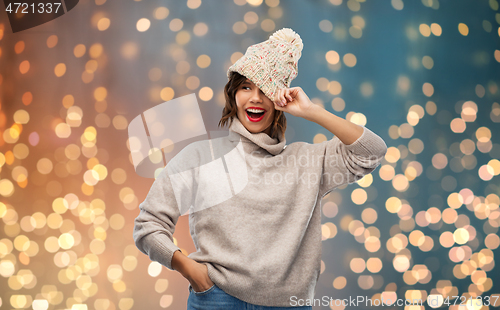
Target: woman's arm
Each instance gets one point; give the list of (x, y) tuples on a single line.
[(346, 131), (155, 225), (354, 151), (295, 101)]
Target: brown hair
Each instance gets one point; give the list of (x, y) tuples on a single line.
[(278, 126)]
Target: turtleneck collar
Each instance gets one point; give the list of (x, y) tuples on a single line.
[(274, 146)]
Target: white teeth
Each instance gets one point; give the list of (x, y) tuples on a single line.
[(255, 111)]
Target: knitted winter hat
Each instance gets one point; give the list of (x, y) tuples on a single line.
[(272, 63)]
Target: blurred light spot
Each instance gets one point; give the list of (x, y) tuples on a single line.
[(319, 138), (143, 24), (161, 285), (52, 41), (349, 60), (353, 5), (355, 31), (374, 264), (428, 89), (166, 300), (480, 91), (427, 62), (325, 25), (436, 29), (193, 4), (251, 18), (206, 93), (366, 89), (66, 241), (60, 69), (40, 304), (357, 265), (103, 24), (79, 50), (19, 47), (463, 29), (332, 57), (91, 66), (461, 236), (330, 209), (401, 263), (334, 87), (235, 56), (268, 25), (397, 4), (239, 27), (167, 94), (183, 37), (338, 104), (358, 21), (322, 84), (161, 13), (95, 50), (200, 29), (339, 283), (192, 82), (359, 196), (27, 98), (24, 66), (129, 50), (425, 30), (203, 61), (176, 24), (254, 2), (154, 269)]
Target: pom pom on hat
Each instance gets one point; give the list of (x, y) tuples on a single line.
[(289, 36), (273, 63)]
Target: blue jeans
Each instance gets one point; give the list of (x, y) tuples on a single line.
[(216, 299)]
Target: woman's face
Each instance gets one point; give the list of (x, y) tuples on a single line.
[(255, 110)]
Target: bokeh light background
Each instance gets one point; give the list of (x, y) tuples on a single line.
[(423, 74)]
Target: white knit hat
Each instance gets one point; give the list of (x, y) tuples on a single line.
[(273, 63)]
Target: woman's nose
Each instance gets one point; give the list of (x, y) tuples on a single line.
[(256, 95)]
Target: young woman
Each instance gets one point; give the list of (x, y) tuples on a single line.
[(258, 247)]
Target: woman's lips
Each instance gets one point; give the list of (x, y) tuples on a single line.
[(255, 119)]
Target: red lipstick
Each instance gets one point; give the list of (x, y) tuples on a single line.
[(254, 114)]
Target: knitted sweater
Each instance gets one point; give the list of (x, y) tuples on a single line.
[(254, 209)]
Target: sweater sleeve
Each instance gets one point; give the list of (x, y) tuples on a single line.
[(345, 164), (155, 224)]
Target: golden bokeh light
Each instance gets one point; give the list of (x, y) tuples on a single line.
[(463, 29), (143, 24)]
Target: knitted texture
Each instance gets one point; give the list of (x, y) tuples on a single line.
[(273, 63)]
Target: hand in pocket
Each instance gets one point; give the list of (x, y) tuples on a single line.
[(199, 279)]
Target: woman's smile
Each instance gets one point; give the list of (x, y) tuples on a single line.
[(255, 114)]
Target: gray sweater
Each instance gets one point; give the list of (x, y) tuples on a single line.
[(254, 206)]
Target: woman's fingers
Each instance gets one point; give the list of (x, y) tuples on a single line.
[(287, 93), (282, 96), (277, 98)]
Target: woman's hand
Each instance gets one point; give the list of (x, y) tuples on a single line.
[(292, 100), (198, 277), (194, 272)]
